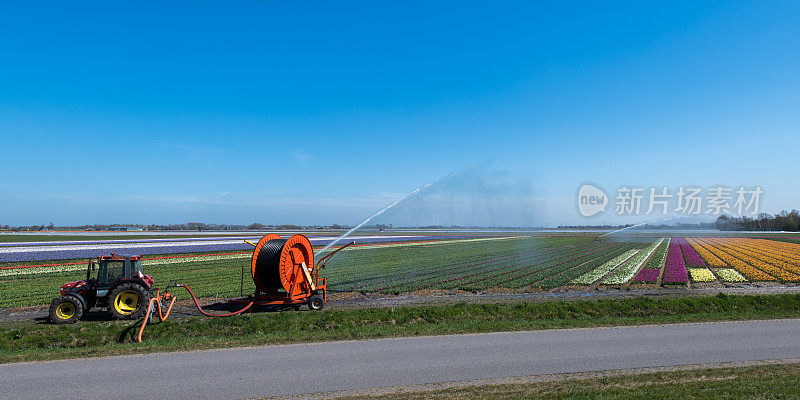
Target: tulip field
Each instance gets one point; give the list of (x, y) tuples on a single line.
[(487, 263)]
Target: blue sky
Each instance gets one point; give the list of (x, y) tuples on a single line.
[(308, 112)]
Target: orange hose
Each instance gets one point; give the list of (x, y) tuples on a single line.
[(161, 316), (157, 299), (197, 304), (169, 308)]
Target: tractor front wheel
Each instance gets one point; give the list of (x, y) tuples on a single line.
[(128, 301), (65, 310)]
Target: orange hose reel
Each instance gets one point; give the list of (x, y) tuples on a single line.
[(278, 264)]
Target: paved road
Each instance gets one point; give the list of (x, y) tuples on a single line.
[(336, 366)]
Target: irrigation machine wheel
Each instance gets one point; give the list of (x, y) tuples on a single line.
[(66, 310), (128, 301), (315, 303)]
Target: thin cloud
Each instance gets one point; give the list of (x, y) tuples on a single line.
[(302, 156)]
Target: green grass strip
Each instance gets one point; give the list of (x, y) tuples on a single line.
[(752, 382), (29, 341)]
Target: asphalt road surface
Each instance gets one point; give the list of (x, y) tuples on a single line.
[(353, 365)]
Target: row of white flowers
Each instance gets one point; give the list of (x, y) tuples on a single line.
[(730, 275), (183, 260), (631, 267), (597, 273), (42, 270), (145, 262)]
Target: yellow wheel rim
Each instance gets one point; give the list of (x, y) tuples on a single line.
[(65, 311), (127, 302)]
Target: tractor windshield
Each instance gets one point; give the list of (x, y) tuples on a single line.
[(110, 271)]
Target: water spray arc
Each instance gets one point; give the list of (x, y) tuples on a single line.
[(396, 202), (633, 226)]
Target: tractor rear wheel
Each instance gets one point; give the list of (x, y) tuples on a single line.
[(128, 301), (65, 310), (315, 303)]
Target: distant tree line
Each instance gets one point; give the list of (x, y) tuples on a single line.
[(604, 227), (783, 221), (682, 226)]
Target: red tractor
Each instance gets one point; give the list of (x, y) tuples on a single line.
[(120, 287)]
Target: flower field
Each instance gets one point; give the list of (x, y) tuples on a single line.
[(448, 262), (754, 259), (477, 266)]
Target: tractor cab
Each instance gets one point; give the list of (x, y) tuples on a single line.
[(110, 269)]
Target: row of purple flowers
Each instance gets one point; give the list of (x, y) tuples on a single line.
[(675, 269), (690, 256)]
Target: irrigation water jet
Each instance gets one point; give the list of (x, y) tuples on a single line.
[(396, 202), (633, 226)]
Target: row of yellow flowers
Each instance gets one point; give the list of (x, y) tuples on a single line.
[(726, 255), (792, 249), (709, 257), (771, 257), (702, 275), (789, 252), (754, 260)]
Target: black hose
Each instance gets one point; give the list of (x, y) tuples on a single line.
[(268, 263)]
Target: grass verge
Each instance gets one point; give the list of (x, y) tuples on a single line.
[(30, 341), (756, 382)]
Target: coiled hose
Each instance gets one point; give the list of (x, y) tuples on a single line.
[(268, 260)]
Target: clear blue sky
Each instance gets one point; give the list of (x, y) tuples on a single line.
[(322, 112)]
